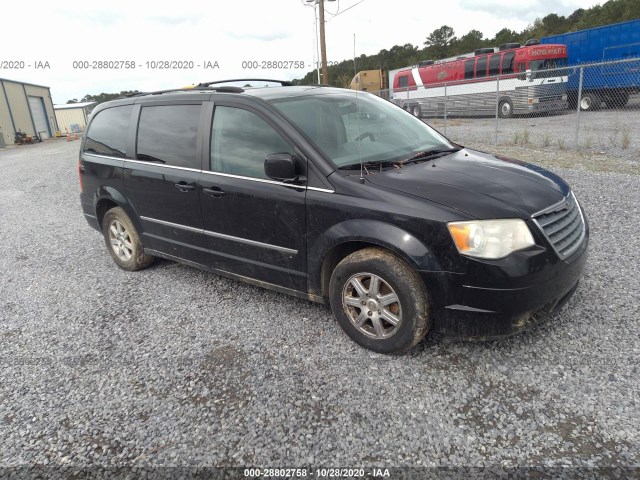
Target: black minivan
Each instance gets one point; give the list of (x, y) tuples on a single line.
[(334, 196)]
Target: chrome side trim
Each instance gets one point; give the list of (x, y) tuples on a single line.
[(163, 165), (316, 189), (170, 224), (260, 180), (209, 172), (106, 157), (288, 251)]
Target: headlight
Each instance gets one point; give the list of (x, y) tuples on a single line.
[(490, 238)]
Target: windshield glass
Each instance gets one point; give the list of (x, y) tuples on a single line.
[(547, 67), (350, 129)]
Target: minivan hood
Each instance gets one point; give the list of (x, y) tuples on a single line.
[(477, 183)]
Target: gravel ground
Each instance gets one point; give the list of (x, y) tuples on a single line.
[(610, 131), (175, 367)]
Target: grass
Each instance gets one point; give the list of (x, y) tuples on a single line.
[(626, 138)]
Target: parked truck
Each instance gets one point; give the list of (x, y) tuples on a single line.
[(612, 83), (369, 81)]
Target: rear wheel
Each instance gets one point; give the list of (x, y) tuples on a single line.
[(589, 102), (505, 108), (379, 301), (123, 241), (618, 100), (416, 111)]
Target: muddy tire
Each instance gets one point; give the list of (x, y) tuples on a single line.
[(379, 301), (123, 241)]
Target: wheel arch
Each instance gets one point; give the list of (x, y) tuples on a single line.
[(347, 237), (107, 198)]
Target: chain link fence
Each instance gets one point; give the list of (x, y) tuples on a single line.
[(590, 107)]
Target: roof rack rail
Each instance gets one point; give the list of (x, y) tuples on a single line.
[(228, 89), (284, 83)]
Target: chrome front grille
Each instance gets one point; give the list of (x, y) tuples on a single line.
[(563, 225)]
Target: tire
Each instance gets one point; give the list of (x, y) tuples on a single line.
[(416, 111), (371, 325), (123, 241), (505, 108), (590, 102), (618, 100)]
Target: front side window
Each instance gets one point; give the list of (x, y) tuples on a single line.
[(547, 67), (403, 81), (107, 133), (240, 141), (167, 135)]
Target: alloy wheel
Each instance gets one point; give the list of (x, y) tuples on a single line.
[(372, 306)]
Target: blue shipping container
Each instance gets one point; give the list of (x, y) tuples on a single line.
[(611, 83)]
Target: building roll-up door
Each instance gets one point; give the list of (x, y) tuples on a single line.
[(39, 117)]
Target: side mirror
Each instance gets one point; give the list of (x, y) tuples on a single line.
[(280, 166)]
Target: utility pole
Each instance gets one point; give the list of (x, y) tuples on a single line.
[(323, 46)]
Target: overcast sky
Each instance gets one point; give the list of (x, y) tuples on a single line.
[(228, 33)]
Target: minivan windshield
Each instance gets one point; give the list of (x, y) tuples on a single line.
[(350, 128)]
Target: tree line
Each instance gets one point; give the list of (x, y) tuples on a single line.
[(443, 42), (102, 97)]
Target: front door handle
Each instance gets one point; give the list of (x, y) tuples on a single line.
[(185, 187), (214, 191)]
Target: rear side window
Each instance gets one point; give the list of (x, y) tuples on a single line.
[(494, 64), (167, 135), (507, 63), (403, 81), (468, 68), (107, 133), (481, 67)]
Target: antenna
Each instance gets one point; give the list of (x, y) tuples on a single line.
[(358, 112)]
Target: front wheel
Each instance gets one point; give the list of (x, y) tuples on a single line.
[(379, 301), (416, 111), (123, 241)]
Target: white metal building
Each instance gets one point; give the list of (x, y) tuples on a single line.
[(73, 116), (25, 107)]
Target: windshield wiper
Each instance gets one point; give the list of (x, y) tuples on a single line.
[(366, 165), (428, 155)]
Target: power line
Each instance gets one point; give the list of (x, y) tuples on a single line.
[(345, 10)]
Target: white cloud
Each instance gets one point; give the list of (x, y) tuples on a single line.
[(230, 33)]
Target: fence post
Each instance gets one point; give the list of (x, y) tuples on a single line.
[(445, 109), (497, 105), (578, 107)]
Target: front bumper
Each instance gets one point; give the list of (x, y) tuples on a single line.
[(507, 297)]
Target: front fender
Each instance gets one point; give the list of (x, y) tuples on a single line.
[(373, 232)]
